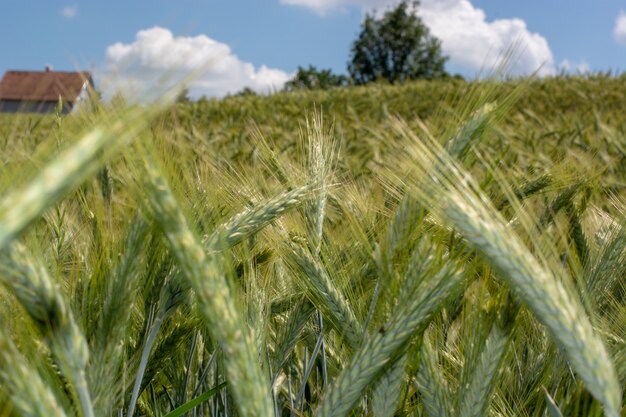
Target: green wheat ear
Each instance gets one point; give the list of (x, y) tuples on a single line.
[(252, 220), (450, 192), (387, 392), (431, 382), (248, 384), (29, 394), (50, 311), (434, 283)]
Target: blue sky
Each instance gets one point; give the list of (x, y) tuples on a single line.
[(232, 44)]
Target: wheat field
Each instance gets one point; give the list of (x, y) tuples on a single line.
[(442, 248)]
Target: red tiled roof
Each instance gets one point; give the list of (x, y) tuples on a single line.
[(42, 85)]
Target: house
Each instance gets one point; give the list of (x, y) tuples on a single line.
[(39, 91)]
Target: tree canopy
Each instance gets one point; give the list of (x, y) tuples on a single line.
[(395, 47), (313, 79)]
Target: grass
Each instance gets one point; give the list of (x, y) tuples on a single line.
[(433, 249)]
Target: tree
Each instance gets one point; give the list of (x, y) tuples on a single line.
[(313, 79), (183, 96), (396, 47)]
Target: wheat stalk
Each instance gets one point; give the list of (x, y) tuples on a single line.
[(121, 287), (385, 346), (225, 323), (252, 220), (387, 392), (238, 228), (474, 397), (470, 131), (50, 311), (321, 157), (288, 338), (449, 191), (431, 383), (29, 395), (326, 296)]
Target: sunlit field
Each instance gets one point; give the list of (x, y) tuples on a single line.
[(438, 248)]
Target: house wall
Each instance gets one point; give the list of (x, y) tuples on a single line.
[(84, 99), (16, 106)]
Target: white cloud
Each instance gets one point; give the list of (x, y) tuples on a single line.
[(619, 32), (324, 6), (473, 42), (69, 12), (157, 60), (468, 38)]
